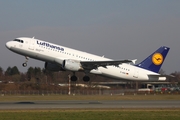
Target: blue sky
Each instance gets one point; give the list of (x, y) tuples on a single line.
[(118, 29)]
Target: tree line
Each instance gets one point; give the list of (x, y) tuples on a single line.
[(33, 74), (36, 78), (41, 75)]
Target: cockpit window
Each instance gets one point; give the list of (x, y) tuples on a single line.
[(18, 40)]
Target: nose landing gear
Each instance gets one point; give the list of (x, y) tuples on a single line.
[(25, 64)]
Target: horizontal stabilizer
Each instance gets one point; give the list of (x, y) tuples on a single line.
[(159, 77)]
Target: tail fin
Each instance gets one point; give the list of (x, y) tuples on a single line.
[(155, 60)]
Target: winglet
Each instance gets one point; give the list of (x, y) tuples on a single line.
[(134, 61)]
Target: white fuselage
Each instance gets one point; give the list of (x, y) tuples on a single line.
[(49, 52)]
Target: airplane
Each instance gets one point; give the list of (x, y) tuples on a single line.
[(61, 58)]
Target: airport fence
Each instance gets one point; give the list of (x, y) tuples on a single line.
[(85, 92)]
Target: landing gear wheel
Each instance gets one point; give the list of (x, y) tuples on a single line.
[(24, 64), (73, 78), (86, 78)]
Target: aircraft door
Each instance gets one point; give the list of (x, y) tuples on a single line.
[(136, 73), (31, 44)]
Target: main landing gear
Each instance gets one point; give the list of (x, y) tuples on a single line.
[(86, 78), (25, 64), (74, 78)]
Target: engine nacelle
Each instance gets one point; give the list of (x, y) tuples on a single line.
[(53, 67), (72, 65)]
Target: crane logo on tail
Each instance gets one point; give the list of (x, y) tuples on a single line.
[(157, 59)]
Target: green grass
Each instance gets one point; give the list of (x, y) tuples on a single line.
[(106, 114), (87, 97)]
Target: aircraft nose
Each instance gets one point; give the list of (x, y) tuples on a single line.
[(8, 45)]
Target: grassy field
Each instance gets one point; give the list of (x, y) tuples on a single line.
[(105, 114), (88, 97)]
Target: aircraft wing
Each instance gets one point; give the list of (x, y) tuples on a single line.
[(89, 65)]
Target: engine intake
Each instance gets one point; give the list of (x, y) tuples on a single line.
[(53, 67)]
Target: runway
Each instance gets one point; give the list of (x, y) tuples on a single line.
[(85, 104)]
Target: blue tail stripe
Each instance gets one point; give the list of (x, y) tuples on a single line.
[(155, 60)]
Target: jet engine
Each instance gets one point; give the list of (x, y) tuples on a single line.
[(72, 65)]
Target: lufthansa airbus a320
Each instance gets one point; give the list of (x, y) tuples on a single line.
[(61, 58)]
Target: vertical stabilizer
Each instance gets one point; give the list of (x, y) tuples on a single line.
[(155, 60)]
